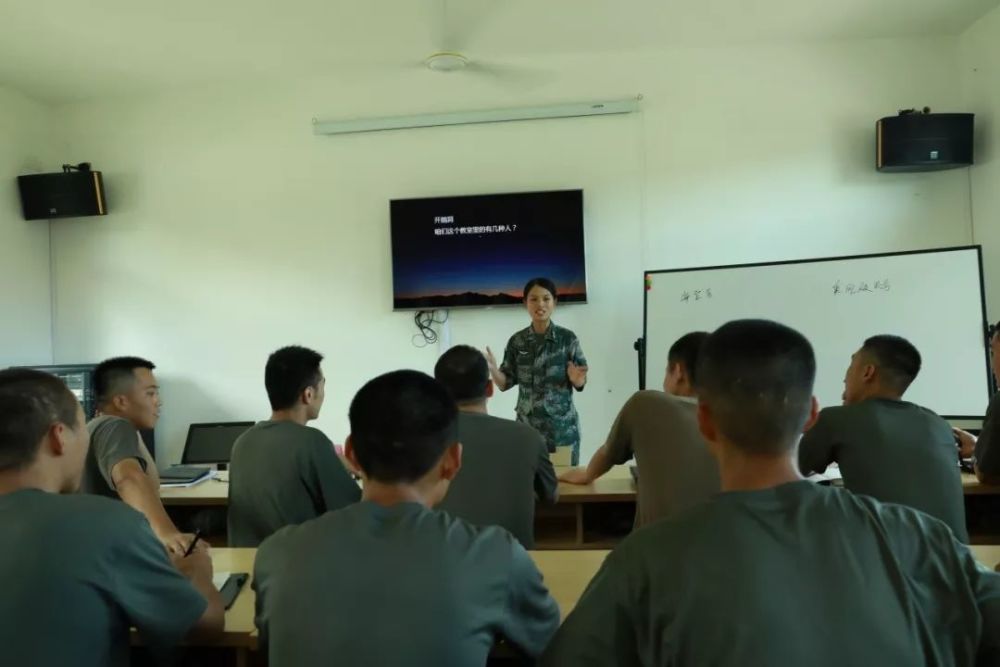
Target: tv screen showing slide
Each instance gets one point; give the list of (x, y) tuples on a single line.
[(452, 252)]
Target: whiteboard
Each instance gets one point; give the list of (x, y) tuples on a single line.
[(932, 298)]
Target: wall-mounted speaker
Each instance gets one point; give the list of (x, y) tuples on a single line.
[(924, 142), (66, 194)]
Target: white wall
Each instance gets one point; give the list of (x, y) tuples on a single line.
[(26, 146), (234, 230), (979, 49)]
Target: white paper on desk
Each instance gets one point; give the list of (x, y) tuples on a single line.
[(184, 485), (219, 579), (831, 474)]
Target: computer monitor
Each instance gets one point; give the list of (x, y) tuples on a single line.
[(79, 380), (212, 443)]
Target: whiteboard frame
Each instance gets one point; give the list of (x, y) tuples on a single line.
[(990, 382)]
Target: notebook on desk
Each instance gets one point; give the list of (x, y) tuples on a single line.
[(182, 475)]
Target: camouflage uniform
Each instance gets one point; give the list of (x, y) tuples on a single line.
[(537, 364)]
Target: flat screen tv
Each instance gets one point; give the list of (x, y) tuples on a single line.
[(453, 252)]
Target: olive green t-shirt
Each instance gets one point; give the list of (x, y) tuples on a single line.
[(401, 585), (893, 451), (676, 470), (505, 465), (112, 440), (797, 574), (76, 572), (283, 473)]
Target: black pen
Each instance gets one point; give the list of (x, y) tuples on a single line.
[(197, 536)]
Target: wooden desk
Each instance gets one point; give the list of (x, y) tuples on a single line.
[(211, 493), (567, 525), (567, 573), (591, 516), (596, 516), (603, 490), (240, 629), (982, 510), (203, 507), (973, 487), (988, 555), (240, 633), (615, 486)]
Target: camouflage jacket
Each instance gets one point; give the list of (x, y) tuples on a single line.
[(537, 365)]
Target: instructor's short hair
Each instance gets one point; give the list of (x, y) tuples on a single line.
[(401, 424), (30, 403), (544, 283), (756, 377), (686, 350), (289, 371), (897, 359), (116, 376), (464, 373)]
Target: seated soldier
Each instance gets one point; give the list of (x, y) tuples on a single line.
[(505, 464), (77, 571), (659, 429), (119, 465), (776, 570), (888, 448), (283, 471), (389, 580)]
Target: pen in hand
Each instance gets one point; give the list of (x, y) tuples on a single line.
[(190, 549)]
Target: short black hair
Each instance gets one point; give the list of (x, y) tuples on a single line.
[(401, 424), (464, 373), (289, 372), (544, 283), (686, 351), (30, 403), (114, 376), (897, 359), (756, 377)]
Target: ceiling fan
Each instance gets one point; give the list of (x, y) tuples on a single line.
[(453, 56)]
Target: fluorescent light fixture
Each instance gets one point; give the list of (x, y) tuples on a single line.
[(473, 117)]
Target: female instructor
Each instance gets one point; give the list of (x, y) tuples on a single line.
[(547, 364)]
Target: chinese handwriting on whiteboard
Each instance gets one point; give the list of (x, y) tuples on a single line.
[(854, 289), (687, 296)]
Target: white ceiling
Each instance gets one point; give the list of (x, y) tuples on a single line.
[(59, 50)]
